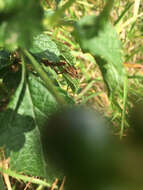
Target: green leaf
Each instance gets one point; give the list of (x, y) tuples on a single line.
[(104, 45), (44, 48), (19, 22), (21, 124), (20, 135)]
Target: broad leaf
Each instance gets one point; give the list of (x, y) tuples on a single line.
[(44, 48), (19, 22), (98, 37), (22, 122)]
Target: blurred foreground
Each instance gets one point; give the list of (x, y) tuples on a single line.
[(78, 141)]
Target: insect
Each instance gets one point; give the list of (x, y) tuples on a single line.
[(65, 68)]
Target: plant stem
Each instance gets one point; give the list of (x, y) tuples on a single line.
[(24, 178), (50, 86)]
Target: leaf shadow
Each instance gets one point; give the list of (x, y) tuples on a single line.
[(13, 130), (50, 56)]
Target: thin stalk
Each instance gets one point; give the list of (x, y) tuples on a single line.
[(85, 90), (140, 77), (120, 18), (124, 106), (91, 96), (55, 18), (129, 21), (41, 187), (136, 8), (24, 178), (48, 83)]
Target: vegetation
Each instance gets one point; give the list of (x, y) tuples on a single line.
[(59, 53)]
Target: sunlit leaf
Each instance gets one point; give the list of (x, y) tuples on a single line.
[(44, 48), (104, 45)]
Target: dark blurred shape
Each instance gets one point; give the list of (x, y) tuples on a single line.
[(133, 167), (136, 121), (77, 141)]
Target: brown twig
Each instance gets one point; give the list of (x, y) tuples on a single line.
[(28, 184), (4, 163), (63, 182), (54, 184)]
